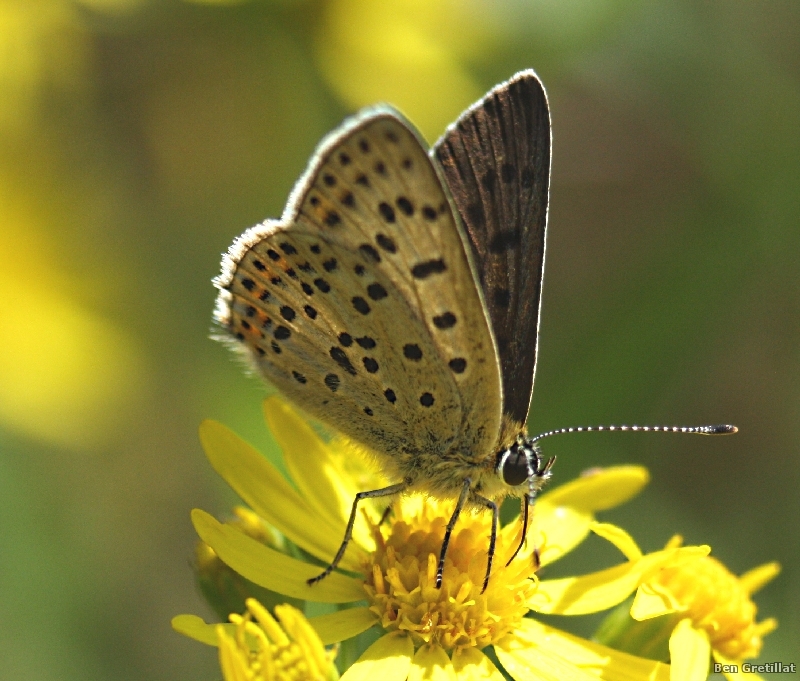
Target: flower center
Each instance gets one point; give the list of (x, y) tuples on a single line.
[(401, 580), (263, 649), (717, 602)]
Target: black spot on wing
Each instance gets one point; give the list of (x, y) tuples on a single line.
[(332, 381), (386, 243), (426, 400), (457, 365), (446, 320), (405, 205), (386, 211), (412, 351), (340, 357), (489, 180), (475, 215), (425, 269), (369, 252), (504, 240), (376, 291), (360, 305)]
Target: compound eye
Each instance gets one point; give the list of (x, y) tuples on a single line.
[(515, 468)]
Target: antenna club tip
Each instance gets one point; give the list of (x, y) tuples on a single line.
[(724, 430)]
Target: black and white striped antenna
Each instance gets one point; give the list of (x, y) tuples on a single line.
[(694, 430)]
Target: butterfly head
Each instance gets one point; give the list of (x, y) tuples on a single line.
[(522, 462)]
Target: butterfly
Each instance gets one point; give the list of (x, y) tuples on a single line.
[(398, 298)]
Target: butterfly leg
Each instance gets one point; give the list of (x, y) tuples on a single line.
[(449, 530), (348, 533), (524, 511), (385, 515), (488, 503), (542, 470)]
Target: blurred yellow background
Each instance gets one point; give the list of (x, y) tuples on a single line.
[(138, 137)]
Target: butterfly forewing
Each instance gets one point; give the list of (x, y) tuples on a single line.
[(361, 305), (496, 161)]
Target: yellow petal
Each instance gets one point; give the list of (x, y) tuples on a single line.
[(313, 469), (196, 628), (265, 490), (689, 652), (341, 625), (470, 664), (619, 538), (754, 579), (652, 600), (766, 626), (599, 490), (563, 516), (536, 663), (555, 531), (537, 651), (388, 659), (272, 570), (606, 588), (431, 664)]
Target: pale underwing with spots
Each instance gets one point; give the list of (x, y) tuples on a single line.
[(397, 299)]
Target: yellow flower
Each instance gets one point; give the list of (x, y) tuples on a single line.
[(260, 649), (712, 614), (428, 631)]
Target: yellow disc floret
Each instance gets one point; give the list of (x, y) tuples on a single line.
[(719, 603), (401, 580)]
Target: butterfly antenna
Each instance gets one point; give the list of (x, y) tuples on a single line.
[(695, 430)]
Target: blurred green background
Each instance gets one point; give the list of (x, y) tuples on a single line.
[(137, 138)]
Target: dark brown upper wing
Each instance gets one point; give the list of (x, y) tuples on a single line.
[(496, 161)]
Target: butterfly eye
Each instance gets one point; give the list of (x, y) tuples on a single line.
[(513, 466)]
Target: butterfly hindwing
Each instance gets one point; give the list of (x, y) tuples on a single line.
[(361, 305), (496, 161)]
